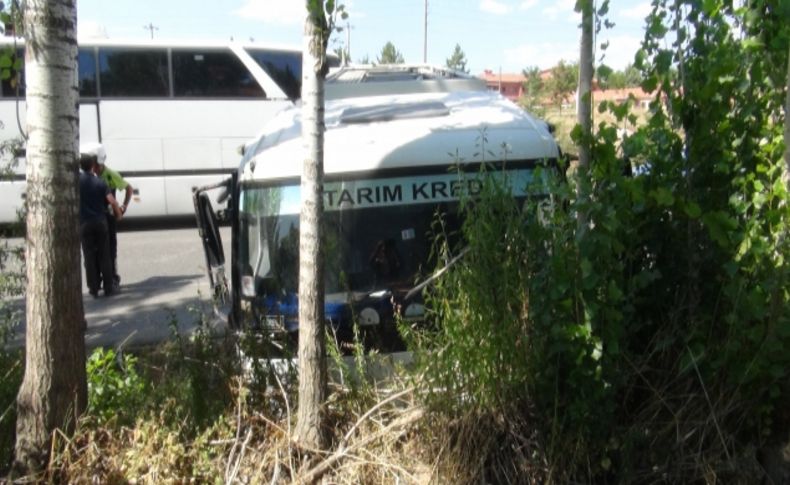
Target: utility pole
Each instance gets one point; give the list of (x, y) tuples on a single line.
[(348, 44), (425, 36), (151, 27)]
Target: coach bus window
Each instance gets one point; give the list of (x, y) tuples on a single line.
[(16, 78), (212, 73), (128, 72), (284, 67), (87, 73)]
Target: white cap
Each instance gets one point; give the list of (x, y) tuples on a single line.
[(93, 148)]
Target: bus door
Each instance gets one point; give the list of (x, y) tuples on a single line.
[(208, 229)]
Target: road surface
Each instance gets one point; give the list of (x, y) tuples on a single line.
[(163, 282)]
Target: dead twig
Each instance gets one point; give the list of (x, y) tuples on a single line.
[(236, 467), (288, 420), (235, 440), (276, 472), (313, 474), (370, 411), (710, 404)]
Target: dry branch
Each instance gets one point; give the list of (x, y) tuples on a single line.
[(312, 475)]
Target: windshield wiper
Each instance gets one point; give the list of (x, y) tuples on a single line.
[(436, 274)]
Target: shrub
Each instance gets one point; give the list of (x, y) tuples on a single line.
[(115, 388), (651, 339)]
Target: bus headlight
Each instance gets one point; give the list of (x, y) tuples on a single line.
[(368, 317), (248, 286)]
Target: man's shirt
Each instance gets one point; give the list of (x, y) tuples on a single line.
[(93, 197), (113, 179)]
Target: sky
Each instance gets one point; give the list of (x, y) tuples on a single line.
[(506, 35)]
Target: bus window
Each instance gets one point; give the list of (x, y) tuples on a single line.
[(87, 72), (284, 67), (130, 72), (14, 84), (212, 73)]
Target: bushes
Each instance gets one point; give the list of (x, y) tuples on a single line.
[(651, 341), (648, 343), (11, 360), (115, 388)]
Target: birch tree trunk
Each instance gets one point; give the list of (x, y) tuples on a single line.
[(312, 343), (584, 101), (584, 105), (53, 392), (787, 125)]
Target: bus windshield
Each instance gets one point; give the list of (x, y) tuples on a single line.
[(366, 249), (378, 232)]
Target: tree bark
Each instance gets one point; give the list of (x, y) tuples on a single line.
[(584, 107), (54, 390), (584, 101), (312, 340), (787, 124)]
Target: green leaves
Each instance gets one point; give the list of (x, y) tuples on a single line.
[(719, 225), (316, 7), (680, 278), (692, 210), (711, 7), (663, 197), (115, 389)]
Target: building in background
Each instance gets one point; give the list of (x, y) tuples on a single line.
[(511, 86)]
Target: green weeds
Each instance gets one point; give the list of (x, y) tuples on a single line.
[(115, 388)]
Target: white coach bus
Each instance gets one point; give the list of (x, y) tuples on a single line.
[(170, 115), (401, 144)]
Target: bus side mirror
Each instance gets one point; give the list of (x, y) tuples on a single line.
[(209, 231)]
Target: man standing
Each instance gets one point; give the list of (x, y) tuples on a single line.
[(94, 197), (114, 181)]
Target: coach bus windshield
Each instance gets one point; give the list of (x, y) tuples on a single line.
[(378, 232)]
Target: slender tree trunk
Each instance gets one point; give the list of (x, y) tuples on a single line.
[(584, 112), (584, 105), (787, 125), (312, 345), (53, 392)]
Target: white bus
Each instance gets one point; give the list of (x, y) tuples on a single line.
[(400, 145), (170, 115)]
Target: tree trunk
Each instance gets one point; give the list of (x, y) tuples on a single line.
[(584, 101), (787, 125), (312, 345), (584, 107), (53, 392)]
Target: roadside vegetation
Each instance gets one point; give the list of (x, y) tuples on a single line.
[(646, 346), (12, 288)]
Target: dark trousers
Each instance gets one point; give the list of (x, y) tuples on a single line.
[(96, 254), (112, 227)]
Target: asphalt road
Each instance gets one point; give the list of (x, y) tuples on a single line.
[(163, 282)]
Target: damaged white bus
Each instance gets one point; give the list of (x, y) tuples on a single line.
[(402, 144)]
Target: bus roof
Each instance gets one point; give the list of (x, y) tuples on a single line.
[(372, 133), (165, 43), (388, 79)]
